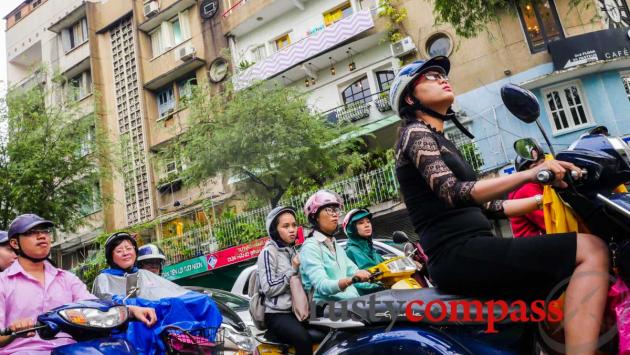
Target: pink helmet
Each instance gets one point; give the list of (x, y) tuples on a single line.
[(318, 200)]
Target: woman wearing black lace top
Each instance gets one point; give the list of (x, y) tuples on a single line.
[(448, 207)]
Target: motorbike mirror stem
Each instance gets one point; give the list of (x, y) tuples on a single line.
[(546, 138)]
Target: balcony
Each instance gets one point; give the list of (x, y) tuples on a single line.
[(315, 45), (375, 109), (165, 13), (170, 66)]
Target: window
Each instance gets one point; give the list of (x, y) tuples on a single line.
[(80, 86), (625, 78), (87, 143), (75, 35), (166, 102), (540, 23), (36, 3), (282, 41), (185, 87), (357, 91), (259, 53), (177, 31), (92, 201), (170, 34), (18, 15), (156, 42), (439, 44), (566, 107), (384, 79), (337, 14)]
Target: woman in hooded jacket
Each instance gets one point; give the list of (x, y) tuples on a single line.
[(357, 224), (277, 262)]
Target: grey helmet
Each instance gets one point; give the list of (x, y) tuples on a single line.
[(274, 213)]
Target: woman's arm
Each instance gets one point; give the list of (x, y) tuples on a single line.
[(420, 146), (272, 283)]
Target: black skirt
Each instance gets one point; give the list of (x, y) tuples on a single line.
[(514, 268)]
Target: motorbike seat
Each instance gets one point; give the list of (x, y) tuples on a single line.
[(377, 307)]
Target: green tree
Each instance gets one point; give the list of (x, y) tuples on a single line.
[(49, 158), (471, 17), (266, 135)]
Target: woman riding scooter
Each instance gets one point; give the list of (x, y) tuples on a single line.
[(124, 283), (325, 267), (445, 201), (357, 225)]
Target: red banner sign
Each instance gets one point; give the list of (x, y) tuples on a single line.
[(243, 252)]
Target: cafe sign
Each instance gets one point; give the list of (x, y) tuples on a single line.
[(590, 47)]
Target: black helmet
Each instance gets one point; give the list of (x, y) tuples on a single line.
[(113, 241), (522, 164)]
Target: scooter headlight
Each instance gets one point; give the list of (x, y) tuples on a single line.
[(93, 317), (401, 264)]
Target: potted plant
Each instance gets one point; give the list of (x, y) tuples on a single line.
[(382, 102), (354, 111)]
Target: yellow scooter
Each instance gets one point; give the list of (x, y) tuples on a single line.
[(395, 273)]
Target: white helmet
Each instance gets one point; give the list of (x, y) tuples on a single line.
[(408, 74), (150, 251)]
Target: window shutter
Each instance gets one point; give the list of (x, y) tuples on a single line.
[(65, 39), (84, 28)]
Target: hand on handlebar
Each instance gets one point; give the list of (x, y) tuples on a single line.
[(143, 314), (361, 276), (22, 324), (558, 168)]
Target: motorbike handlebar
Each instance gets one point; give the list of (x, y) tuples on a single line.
[(547, 176), (356, 279), (9, 332)]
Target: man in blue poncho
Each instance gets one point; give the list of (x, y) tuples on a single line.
[(124, 283)]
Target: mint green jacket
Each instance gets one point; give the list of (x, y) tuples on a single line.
[(322, 270)]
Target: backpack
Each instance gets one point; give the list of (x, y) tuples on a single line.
[(257, 300)]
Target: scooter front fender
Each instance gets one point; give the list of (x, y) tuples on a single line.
[(106, 346)]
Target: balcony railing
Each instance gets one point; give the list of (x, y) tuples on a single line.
[(358, 110), (309, 47), (367, 189)]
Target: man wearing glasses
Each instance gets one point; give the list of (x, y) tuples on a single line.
[(32, 286)]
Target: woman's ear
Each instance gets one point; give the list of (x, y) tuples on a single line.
[(408, 100), (14, 244)]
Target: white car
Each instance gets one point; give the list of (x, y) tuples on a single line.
[(386, 247)]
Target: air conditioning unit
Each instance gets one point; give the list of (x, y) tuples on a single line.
[(403, 47), (185, 53), (151, 8)]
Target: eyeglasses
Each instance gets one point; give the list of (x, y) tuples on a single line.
[(38, 231), (434, 76), (332, 211)]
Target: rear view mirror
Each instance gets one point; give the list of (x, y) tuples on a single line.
[(522, 103), (400, 237), (525, 147)]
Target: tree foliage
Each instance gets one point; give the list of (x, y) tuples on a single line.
[(471, 17), (264, 135), (48, 158)]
